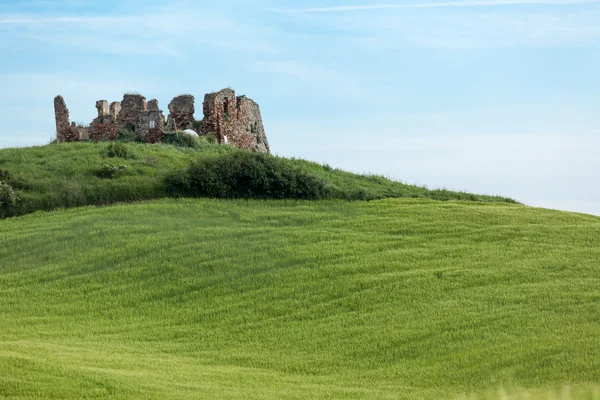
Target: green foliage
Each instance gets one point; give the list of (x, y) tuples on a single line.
[(197, 124), (7, 195), (65, 175), (110, 171), (262, 299), (210, 137), (117, 149), (181, 139), (126, 135), (247, 175), (5, 175)]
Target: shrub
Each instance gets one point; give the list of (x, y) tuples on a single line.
[(246, 175), (7, 195), (210, 137), (109, 171), (117, 149), (181, 139), (5, 175), (126, 135), (197, 124)]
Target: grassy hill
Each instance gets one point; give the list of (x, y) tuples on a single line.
[(398, 299), (74, 174)]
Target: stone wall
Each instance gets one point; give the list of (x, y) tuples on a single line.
[(102, 107), (220, 114), (132, 106), (250, 131), (103, 128), (234, 120), (115, 109), (181, 113), (65, 132)]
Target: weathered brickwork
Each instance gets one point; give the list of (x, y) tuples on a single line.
[(233, 120), (103, 128), (220, 114), (150, 125), (181, 113), (132, 106), (102, 107), (115, 109), (250, 131), (64, 131)]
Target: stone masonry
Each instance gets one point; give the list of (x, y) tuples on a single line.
[(233, 120), (132, 106), (150, 125), (181, 113), (66, 131), (115, 109)]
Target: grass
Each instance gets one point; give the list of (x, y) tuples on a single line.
[(73, 174), (389, 299)]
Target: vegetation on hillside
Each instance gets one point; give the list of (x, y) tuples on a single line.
[(78, 174), (389, 299)]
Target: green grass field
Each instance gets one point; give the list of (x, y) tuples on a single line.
[(66, 175), (389, 299)]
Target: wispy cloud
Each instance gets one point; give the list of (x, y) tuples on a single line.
[(445, 4), (173, 32)]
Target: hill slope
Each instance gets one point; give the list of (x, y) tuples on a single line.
[(410, 299), (67, 175)]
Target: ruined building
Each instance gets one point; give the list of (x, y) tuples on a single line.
[(232, 120)]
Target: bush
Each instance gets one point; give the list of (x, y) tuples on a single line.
[(127, 136), (210, 137), (108, 171), (246, 175), (7, 195), (5, 175), (117, 149), (181, 139)]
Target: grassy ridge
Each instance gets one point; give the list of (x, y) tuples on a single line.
[(67, 175), (404, 299)]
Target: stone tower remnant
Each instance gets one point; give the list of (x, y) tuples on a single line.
[(233, 120), (150, 124), (66, 131), (115, 109), (181, 113), (132, 107)]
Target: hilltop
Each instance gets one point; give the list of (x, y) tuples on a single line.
[(101, 173), (394, 298)]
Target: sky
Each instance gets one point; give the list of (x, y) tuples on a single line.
[(488, 96)]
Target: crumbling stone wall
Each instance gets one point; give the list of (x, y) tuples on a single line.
[(104, 126), (234, 120), (115, 109), (65, 131), (181, 113), (150, 125), (220, 114), (132, 106), (250, 131), (102, 107)]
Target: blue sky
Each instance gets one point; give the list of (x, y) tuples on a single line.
[(490, 96)]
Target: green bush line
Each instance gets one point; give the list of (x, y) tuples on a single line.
[(87, 173)]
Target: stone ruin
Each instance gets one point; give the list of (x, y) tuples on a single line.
[(232, 120)]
